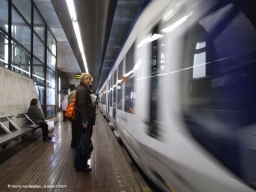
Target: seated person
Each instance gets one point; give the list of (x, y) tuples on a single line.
[(36, 115), (128, 104)]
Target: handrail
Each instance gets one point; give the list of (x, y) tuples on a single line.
[(6, 116), (13, 124), (5, 128), (26, 115)]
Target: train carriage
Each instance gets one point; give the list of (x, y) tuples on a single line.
[(181, 94)]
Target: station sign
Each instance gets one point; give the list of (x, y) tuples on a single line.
[(78, 75)]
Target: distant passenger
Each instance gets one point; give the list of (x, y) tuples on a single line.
[(74, 124), (83, 108), (128, 104), (36, 115), (64, 105)]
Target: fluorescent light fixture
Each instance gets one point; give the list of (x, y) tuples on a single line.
[(59, 83), (71, 9), (59, 100), (6, 50), (72, 13), (177, 24)]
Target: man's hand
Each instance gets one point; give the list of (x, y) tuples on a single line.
[(84, 125)]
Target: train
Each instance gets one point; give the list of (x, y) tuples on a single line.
[(181, 94)]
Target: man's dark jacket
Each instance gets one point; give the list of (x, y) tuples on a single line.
[(83, 105)]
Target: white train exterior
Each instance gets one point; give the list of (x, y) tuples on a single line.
[(181, 97)]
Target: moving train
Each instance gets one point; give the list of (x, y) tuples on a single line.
[(182, 94)]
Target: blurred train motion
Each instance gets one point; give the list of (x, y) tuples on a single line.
[(182, 94)]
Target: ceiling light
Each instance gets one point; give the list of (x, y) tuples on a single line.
[(72, 13)]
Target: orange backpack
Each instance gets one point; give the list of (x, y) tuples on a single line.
[(70, 111)]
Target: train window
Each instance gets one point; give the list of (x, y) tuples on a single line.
[(104, 95), (107, 96), (157, 64), (119, 86), (110, 92), (129, 82), (218, 84), (114, 94)]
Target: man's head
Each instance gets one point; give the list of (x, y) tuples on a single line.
[(34, 102)]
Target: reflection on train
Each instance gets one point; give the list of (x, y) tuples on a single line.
[(182, 94)]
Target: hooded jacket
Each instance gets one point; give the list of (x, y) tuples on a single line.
[(83, 105), (35, 114)]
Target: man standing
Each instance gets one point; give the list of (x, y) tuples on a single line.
[(64, 105)]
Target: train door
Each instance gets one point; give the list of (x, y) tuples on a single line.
[(110, 92), (153, 91), (147, 89), (107, 99), (114, 99)]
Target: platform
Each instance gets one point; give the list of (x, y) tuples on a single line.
[(48, 166)]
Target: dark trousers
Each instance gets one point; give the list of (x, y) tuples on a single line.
[(44, 129), (64, 117), (90, 125), (80, 161), (74, 134)]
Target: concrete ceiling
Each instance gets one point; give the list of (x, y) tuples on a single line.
[(104, 25)]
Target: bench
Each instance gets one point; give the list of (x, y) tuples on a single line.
[(12, 133), (33, 125)]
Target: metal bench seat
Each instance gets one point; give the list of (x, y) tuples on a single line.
[(14, 135)]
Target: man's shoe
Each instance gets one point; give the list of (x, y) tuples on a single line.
[(88, 169), (49, 138), (46, 140)]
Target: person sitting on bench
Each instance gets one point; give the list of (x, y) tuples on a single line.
[(38, 117)]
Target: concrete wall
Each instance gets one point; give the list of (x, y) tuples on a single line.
[(16, 94)]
